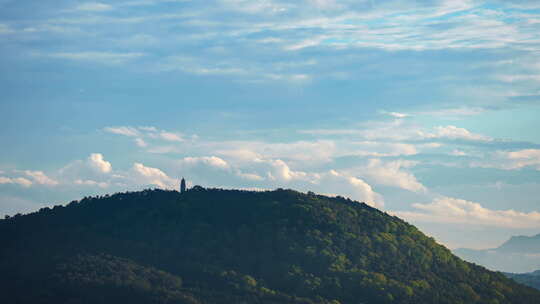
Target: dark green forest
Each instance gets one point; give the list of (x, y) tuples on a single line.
[(231, 246)]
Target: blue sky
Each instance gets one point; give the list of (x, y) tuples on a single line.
[(426, 109)]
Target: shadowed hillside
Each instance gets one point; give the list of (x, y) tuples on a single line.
[(227, 246)]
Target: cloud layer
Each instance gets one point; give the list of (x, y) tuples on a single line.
[(458, 211)]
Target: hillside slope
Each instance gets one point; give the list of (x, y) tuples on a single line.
[(227, 246)]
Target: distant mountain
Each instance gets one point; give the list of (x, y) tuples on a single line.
[(521, 244), (209, 246), (530, 279), (517, 255)]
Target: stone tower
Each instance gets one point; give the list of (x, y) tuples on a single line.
[(183, 185)]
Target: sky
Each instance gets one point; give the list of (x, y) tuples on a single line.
[(428, 109)]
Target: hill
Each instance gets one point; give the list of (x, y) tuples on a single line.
[(530, 279), (518, 254), (228, 246)]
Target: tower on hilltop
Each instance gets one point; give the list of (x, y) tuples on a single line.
[(183, 185)]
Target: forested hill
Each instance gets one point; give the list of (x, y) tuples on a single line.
[(227, 246), (530, 279)]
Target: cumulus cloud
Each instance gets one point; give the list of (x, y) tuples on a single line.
[(152, 176), (17, 180), (245, 166), (97, 162), (281, 171), (212, 161), (40, 178), (339, 182), (458, 211), (94, 167), (392, 174)]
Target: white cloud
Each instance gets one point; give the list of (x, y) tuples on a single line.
[(400, 130), (379, 149), (512, 160), (94, 168), (40, 178), (170, 136), (152, 176), (147, 132), (100, 57), (453, 132), (281, 171), (527, 154), (398, 115), (93, 7), (249, 176), (395, 114), (254, 6), (458, 211), (18, 180), (212, 161), (456, 152), (391, 174), (345, 184), (241, 154), (126, 131), (89, 182), (454, 112), (319, 151), (97, 162), (140, 142), (325, 4), (244, 165), (305, 43)]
